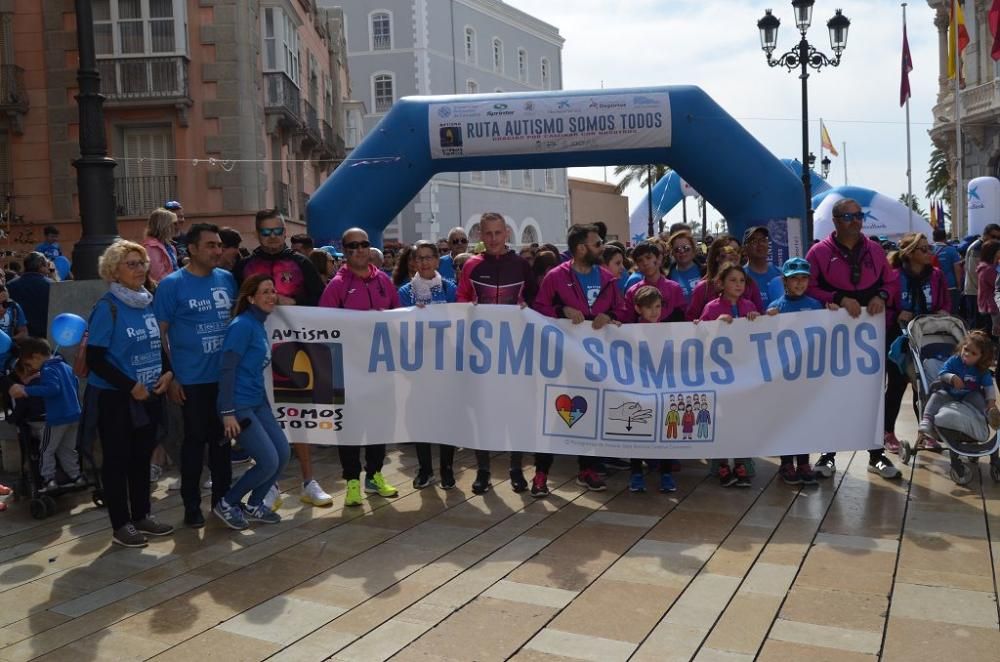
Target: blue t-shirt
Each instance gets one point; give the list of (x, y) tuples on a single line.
[(446, 267), (247, 337), (947, 257), (132, 338), (590, 283), (687, 279), (974, 378), (622, 282), (788, 304), (197, 308), (633, 279), (13, 317), (764, 280), (49, 250)]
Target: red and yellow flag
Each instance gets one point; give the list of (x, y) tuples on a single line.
[(957, 23), (825, 138)]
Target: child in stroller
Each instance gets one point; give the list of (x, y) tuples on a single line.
[(964, 376)]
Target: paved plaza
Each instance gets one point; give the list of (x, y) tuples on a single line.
[(857, 569)]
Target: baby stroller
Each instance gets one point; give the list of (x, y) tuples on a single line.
[(958, 426)]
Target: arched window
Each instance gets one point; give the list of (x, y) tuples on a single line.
[(522, 65), (529, 235), (382, 92), (381, 31), (497, 55), (470, 45), (474, 235)]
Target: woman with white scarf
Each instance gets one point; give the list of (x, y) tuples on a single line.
[(428, 287)]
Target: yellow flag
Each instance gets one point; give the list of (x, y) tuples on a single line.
[(827, 143), (957, 22)]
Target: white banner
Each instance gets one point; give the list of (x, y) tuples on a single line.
[(502, 378), (563, 123)]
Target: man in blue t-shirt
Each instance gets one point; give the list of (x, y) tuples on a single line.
[(50, 247), (458, 243), (951, 265), (193, 306), (757, 247)]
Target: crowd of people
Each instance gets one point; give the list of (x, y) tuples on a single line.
[(179, 337)]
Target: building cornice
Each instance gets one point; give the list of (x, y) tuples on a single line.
[(517, 18)]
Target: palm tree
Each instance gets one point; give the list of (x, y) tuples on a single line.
[(912, 202), (639, 175), (939, 183)]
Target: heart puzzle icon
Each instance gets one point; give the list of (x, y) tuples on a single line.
[(571, 409)]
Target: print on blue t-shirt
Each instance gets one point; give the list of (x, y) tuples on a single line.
[(687, 279), (590, 283), (132, 338), (764, 280), (975, 379), (197, 310)]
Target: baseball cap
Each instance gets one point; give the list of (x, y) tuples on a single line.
[(795, 266), (753, 230), (172, 205)]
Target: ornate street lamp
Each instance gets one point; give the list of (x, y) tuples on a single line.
[(802, 57), (825, 165)]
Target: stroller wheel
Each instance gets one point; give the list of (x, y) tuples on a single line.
[(38, 509), (905, 452), (98, 498), (961, 474), (50, 505)]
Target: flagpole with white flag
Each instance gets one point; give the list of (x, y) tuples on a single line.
[(907, 67), (956, 213)]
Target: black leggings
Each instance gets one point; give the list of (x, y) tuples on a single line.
[(350, 460), (128, 435), (543, 461), (895, 383), (424, 457), (203, 427)]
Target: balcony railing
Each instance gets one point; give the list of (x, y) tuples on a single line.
[(282, 96), (312, 120), (144, 79), (137, 196), (12, 92), (381, 42), (281, 200), (303, 206)]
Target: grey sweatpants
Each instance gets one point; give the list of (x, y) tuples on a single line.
[(940, 398), (59, 442)]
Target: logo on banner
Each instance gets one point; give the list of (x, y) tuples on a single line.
[(309, 376), (451, 139), (444, 112), (629, 415), (689, 416), (571, 409)]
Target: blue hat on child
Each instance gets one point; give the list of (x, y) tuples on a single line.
[(795, 266)]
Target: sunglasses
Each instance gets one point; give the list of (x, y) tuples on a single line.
[(355, 245), (851, 216), (459, 241), (271, 232), (136, 264), (682, 249)]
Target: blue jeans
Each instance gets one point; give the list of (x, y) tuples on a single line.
[(265, 442)]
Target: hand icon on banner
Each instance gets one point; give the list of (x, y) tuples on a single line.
[(630, 412)]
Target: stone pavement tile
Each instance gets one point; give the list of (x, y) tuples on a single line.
[(104, 645), (544, 596), (848, 570), (945, 605), (769, 579), (744, 624), (96, 599), (221, 645), (671, 642), (178, 619), (969, 524), (701, 602), (782, 651), (610, 609), (710, 498), (623, 519), (945, 560), (858, 542), (827, 636), (528, 655), (580, 646), (911, 639), (381, 643), (18, 603), (713, 655), (472, 633), (845, 609), (590, 541), (767, 517), (688, 526), (558, 572), (738, 551), (25, 628), (64, 634), (280, 620), (666, 564)]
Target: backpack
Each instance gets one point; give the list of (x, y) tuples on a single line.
[(80, 368)]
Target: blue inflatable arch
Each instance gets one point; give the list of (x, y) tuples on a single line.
[(677, 125)]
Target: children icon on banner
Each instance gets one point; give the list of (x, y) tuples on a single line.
[(689, 417)]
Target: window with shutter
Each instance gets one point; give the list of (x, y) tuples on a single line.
[(149, 178)]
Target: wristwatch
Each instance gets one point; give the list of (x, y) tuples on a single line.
[(884, 295)]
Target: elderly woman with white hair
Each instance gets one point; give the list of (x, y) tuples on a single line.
[(130, 370)]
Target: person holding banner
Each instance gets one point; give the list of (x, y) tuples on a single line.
[(359, 285), (923, 291), (580, 290), (724, 249), (648, 260), (684, 270), (498, 276), (428, 287), (849, 269), (244, 408)]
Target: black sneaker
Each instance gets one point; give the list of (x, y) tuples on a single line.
[(447, 478), (883, 467), (826, 465), (742, 477), (540, 485), (601, 469), (588, 478), (482, 484), (517, 481), (194, 518), (128, 536), (618, 464), (423, 480), (149, 526)]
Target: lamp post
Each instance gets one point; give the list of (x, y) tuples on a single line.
[(802, 57)]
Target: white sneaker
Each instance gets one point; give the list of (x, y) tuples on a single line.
[(272, 500), (174, 485), (313, 494), (207, 485)]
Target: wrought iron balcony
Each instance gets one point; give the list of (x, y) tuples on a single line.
[(13, 95), (282, 98), (281, 200), (311, 127), (137, 196), (144, 80)]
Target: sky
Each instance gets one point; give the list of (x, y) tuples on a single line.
[(715, 45)]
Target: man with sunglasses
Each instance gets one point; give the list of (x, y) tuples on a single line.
[(458, 243), (360, 285), (851, 270), (757, 247), (298, 284)]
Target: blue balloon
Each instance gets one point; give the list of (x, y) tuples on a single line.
[(68, 329), (5, 343), (62, 266)]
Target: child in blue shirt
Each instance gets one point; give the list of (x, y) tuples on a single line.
[(795, 274), (648, 303), (57, 386), (966, 376)]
